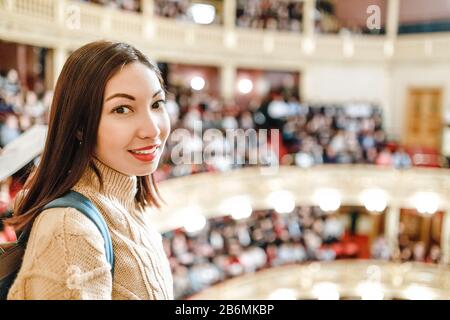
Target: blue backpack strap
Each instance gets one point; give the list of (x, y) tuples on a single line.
[(76, 200)]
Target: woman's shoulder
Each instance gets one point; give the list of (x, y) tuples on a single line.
[(63, 252), (65, 221), (66, 232)]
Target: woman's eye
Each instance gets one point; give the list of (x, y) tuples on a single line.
[(122, 110), (158, 104)]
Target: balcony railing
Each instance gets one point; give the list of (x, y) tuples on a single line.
[(351, 279), (67, 23), (256, 183)]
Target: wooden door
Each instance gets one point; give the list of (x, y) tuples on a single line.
[(424, 118)]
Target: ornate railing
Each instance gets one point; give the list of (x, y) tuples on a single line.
[(67, 23), (348, 279), (208, 190)]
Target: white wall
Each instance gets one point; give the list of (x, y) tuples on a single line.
[(419, 10), (407, 75), (352, 82), (338, 82), (384, 84), (354, 12)]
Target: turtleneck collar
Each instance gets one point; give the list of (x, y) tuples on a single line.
[(116, 185)]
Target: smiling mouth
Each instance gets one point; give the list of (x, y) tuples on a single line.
[(145, 155), (145, 150)]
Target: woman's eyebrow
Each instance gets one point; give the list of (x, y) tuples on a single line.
[(121, 95), (157, 92), (127, 96)]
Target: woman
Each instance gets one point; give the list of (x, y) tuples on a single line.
[(108, 126)]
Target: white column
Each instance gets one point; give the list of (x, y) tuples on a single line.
[(229, 14), (308, 18), (148, 8), (59, 58), (301, 85), (393, 10), (60, 11), (445, 238), (9, 4), (388, 102), (227, 81), (391, 228)]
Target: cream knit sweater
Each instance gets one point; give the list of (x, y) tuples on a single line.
[(65, 256)]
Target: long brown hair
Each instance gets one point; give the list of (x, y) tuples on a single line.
[(76, 107)]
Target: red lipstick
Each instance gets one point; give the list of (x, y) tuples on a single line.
[(145, 154)]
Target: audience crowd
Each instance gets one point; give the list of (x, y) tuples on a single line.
[(181, 10), (412, 248), (309, 135), (280, 15), (20, 107), (227, 248)]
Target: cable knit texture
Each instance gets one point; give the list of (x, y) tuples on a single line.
[(65, 256)]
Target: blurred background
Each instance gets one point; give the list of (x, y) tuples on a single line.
[(350, 198)]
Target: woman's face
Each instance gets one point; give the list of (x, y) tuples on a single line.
[(133, 117)]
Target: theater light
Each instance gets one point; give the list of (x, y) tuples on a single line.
[(194, 221), (370, 290), (230, 39), (325, 291), (239, 207), (426, 202), (348, 48), (327, 199), (197, 83), (375, 199), (202, 13), (308, 46), (245, 86), (416, 292), (282, 201), (283, 294), (388, 48)]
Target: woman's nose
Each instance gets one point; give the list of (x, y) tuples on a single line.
[(148, 126)]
